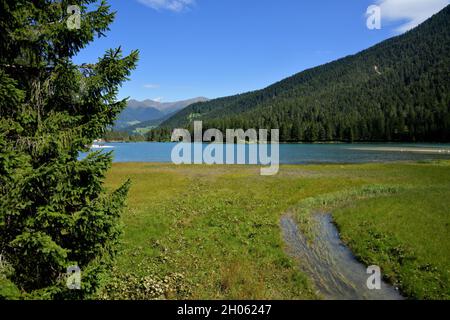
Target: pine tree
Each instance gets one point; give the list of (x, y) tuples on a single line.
[(54, 211), (297, 132)]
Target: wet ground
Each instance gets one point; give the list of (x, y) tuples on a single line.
[(336, 273)]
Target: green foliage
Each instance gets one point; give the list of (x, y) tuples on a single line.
[(122, 136), (408, 99), (159, 134), (54, 211)]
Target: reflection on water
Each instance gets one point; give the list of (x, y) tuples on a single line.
[(330, 264)]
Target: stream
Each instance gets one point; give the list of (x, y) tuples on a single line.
[(336, 273)]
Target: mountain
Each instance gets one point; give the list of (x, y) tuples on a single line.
[(145, 126), (164, 107), (398, 90), (138, 112)]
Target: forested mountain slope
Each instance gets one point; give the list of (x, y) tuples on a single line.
[(398, 90), (148, 110)]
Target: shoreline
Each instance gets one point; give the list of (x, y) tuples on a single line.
[(304, 142), (405, 150)]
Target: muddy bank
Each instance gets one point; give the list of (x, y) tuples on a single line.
[(331, 265)]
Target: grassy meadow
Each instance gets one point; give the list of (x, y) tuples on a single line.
[(212, 232)]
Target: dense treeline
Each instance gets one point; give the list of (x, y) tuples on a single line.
[(162, 134), (158, 134), (122, 136), (398, 90)]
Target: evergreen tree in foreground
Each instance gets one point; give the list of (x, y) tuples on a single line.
[(54, 211)]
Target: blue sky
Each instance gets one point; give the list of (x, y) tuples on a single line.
[(215, 48)]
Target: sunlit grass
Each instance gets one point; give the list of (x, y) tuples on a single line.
[(408, 235), (218, 226)]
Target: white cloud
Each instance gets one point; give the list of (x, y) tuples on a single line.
[(172, 5), (410, 12), (159, 99), (151, 86)]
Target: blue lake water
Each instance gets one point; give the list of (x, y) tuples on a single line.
[(297, 153)]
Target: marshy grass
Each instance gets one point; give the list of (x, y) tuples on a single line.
[(218, 226), (213, 232), (304, 210)]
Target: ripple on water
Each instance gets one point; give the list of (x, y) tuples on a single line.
[(331, 265)]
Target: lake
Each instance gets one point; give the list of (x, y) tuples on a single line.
[(298, 153)]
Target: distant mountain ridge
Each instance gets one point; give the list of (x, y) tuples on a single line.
[(148, 110), (164, 107), (397, 90)]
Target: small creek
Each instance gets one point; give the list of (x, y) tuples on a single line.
[(336, 273)]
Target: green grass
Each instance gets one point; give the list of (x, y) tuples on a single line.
[(408, 235), (213, 231)]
